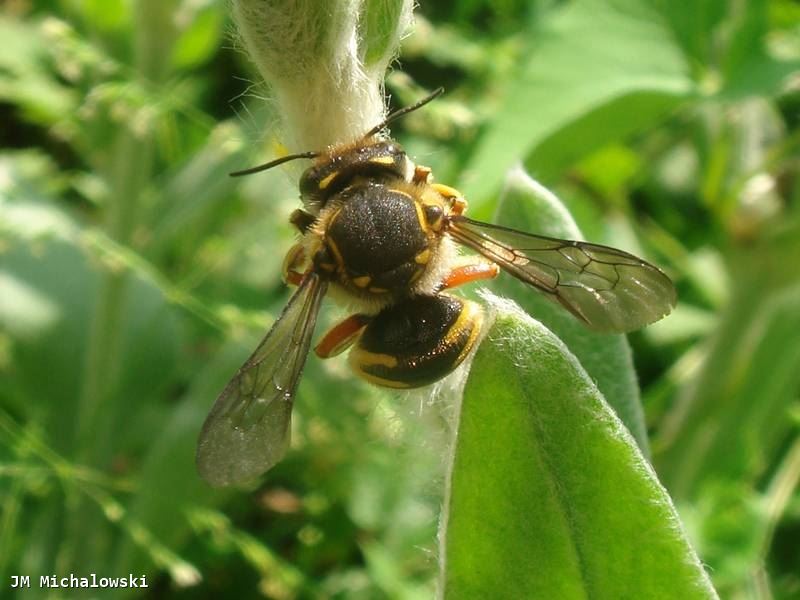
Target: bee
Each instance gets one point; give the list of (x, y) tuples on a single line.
[(380, 235)]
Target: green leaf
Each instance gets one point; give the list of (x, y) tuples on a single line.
[(111, 16), (597, 71), (201, 38), (527, 206), (549, 496), (693, 26)]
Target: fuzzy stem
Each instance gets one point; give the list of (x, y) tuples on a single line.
[(324, 62)]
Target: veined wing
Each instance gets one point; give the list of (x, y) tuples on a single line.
[(607, 289), (247, 430)]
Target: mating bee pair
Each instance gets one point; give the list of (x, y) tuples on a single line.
[(379, 234)]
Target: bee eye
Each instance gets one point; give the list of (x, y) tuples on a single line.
[(433, 215), (309, 182)]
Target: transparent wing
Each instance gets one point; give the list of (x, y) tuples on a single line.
[(247, 430), (607, 289)]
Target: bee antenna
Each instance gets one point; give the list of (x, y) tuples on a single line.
[(274, 163), (404, 111)]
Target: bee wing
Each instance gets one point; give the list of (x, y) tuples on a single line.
[(607, 289), (247, 430)]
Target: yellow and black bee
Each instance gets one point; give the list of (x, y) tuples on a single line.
[(377, 233)]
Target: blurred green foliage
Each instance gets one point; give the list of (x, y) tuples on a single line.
[(135, 276)]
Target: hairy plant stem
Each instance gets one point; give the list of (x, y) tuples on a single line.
[(324, 62)]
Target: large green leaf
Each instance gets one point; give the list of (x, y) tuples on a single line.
[(527, 206), (549, 496), (611, 66)]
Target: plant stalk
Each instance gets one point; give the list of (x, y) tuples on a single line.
[(88, 535)]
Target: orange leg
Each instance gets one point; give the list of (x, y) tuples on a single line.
[(469, 273), (342, 336), (294, 258)]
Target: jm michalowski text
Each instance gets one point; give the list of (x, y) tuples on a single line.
[(73, 581)]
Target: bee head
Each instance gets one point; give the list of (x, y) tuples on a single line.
[(374, 155), (372, 158)]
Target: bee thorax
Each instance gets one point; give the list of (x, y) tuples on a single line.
[(379, 238)]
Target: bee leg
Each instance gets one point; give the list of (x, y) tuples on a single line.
[(302, 220), (469, 273), (456, 199), (341, 336), (421, 174), (294, 259)]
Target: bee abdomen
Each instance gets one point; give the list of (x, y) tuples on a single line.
[(417, 341)]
